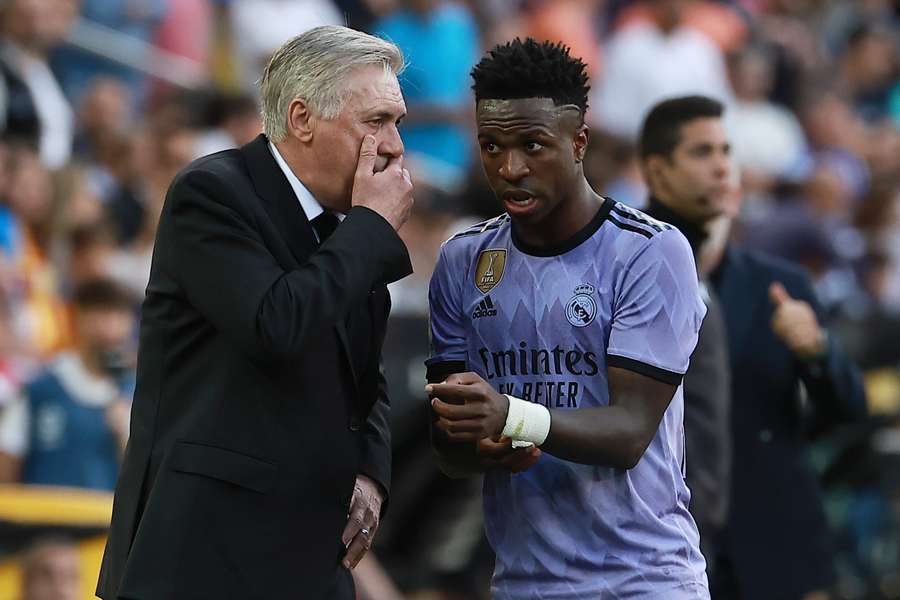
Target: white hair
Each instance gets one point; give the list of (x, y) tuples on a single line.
[(314, 66)]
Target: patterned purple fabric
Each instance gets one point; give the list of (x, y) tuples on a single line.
[(544, 326)]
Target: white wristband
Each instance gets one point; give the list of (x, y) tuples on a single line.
[(527, 423)]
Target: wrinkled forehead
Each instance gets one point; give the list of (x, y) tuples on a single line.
[(509, 113), (373, 87)]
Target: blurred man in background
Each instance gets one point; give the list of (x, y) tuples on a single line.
[(32, 104), (51, 570), (686, 161), (790, 379), (70, 425)]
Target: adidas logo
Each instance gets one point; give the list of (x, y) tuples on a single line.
[(485, 308)]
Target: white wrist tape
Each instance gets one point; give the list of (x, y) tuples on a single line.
[(527, 423)]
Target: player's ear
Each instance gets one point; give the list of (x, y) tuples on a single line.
[(580, 142)]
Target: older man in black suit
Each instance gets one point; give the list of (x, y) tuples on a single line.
[(260, 419)]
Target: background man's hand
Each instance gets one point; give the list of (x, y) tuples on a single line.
[(362, 522), (468, 408), (387, 192), (795, 323)]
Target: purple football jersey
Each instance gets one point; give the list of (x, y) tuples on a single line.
[(544, 325)]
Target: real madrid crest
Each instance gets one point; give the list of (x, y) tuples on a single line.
[(581, 308), (489, 269)]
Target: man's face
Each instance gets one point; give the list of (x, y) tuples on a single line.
[(530, 150), (374, 106), (53, 574), (104, 330), (695, 179)]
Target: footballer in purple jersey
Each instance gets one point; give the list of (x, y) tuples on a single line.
[(586, 307)]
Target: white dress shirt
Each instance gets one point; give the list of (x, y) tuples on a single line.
[(311, 206)]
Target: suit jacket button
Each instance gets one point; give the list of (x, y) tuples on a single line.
[(354, 424), (765, 436)]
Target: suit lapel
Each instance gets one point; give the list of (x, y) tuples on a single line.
[(287, 216)]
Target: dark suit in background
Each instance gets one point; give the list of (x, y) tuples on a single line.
[(259, 396), (776, 544), (707, 405)]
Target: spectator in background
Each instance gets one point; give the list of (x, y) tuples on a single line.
[(35, 282), (103, 113), (35, 108), (837, 137), (686, 159), (232, 120), (650, 60), (51, 570), (70, 425), (573, 22), (77, 68), (260, 26), (440, 41), (769, 143), (869, 70)]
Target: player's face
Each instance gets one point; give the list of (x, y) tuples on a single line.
[(531, 152), (697, 177), (374, 106)]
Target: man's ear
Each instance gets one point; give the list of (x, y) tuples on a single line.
[(652, 168), (580, 142), (301, 121)]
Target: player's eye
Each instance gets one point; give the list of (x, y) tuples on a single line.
[(490, 147), (534, 146)]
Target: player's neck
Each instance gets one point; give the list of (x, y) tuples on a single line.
[(571, 215)]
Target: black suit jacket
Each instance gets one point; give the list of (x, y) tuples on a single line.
[(776, 538), (259, 395)]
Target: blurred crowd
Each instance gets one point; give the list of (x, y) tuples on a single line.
[(102, 102)]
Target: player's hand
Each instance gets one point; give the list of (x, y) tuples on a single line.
[(468, 408), (362, 522), (389, 191), (500, 454), (795, 323)]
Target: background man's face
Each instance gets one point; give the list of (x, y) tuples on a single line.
[(105, 330), (54, 573), (374, 106), (528, 148), (696, 178)]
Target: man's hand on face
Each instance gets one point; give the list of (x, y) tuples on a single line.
[(362, 522), (795, 323), (389, 191), (468, 408)]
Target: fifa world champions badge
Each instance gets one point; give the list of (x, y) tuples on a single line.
[(489, 269), (581, 308)]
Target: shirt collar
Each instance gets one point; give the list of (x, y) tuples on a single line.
[(310, 205), (80, 383)]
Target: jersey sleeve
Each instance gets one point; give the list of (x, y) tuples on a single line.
[(446, 324), (657, 310)]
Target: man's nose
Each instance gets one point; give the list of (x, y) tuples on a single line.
[(513, 168), (391, 144), (723, 165)]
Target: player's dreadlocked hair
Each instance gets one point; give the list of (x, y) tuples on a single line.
[(532, 69)]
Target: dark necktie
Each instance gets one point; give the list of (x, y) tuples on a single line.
[(325, 224)]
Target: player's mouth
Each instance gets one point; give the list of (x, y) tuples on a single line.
[(518, 201)]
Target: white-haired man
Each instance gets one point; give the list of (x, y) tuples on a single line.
[(260, 419)]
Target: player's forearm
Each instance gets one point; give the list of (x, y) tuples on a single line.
[(605, 436)]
